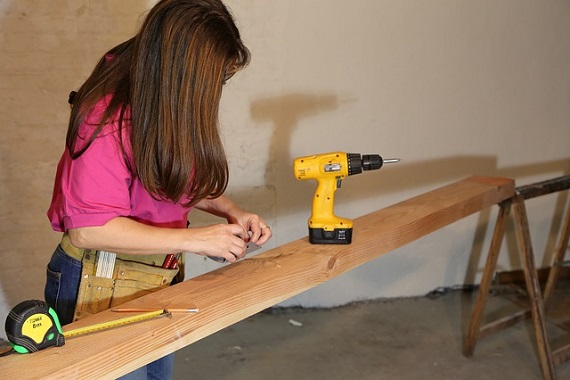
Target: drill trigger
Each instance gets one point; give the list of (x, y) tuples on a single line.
[(338, 182)]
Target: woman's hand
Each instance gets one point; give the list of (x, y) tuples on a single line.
[(257, 231), (227, 241)]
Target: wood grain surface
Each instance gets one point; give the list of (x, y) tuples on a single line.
[(235, 292)]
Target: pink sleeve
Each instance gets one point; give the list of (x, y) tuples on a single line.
[(95, 186)]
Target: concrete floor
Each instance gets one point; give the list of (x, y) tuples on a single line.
[(412, 338)]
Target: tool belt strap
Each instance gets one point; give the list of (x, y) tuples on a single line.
[(77, 253)]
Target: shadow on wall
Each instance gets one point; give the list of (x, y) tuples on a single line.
[(287, 111)]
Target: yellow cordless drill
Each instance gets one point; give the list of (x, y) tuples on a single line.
[(329, 170)]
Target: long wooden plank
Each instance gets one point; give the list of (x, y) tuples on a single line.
[(235, 292)]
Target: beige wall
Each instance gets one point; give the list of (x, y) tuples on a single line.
[(454, 87)]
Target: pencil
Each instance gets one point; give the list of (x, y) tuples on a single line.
[(144, 310)]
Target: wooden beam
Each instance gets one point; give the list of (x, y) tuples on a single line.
[(235, 292)]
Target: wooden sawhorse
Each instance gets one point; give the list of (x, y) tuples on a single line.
[(537, 300)]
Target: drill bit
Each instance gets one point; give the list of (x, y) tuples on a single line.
[(391, 160)]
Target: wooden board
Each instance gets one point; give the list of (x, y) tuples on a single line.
[(235, 292)]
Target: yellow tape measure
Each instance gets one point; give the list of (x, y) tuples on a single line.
[(115, 323), (33, 325)]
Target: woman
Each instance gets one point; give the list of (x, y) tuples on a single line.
[(142, 149)]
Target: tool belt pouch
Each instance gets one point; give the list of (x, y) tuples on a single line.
[(130, 280)]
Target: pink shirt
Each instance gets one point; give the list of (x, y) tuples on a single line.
[(98, 186)]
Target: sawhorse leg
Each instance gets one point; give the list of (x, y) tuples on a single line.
[(558, 258), (533, 290), (475, 332), (562, 354)]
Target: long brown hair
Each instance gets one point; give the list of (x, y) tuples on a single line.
[(170, 76)]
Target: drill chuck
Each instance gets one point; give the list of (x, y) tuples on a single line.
[(371, 162), (358, 163)]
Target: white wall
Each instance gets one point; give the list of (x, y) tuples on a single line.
[(455, 88)]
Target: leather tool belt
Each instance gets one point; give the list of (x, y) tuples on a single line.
[(133, 276)]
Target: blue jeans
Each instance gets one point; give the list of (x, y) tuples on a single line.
[(62, 285)]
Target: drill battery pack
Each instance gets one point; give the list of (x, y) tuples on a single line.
[(336, 236)]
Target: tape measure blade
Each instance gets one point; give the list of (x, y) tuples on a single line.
[(114, 323)]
